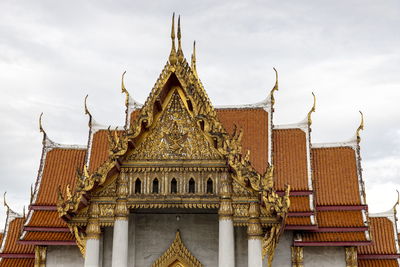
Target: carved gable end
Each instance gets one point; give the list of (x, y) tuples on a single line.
[(175, 136)]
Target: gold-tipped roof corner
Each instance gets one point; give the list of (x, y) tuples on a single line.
[(275, 88), (360, 128), (397, 203), (123, 90), (40, 125), (311, 110), (87, 112)]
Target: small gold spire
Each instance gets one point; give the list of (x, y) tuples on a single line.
[(361, 127), (124, 91), (32, 194), (180, 52), (311, 111), (172, 55), (193, 63), (275, 88), (23, 214)]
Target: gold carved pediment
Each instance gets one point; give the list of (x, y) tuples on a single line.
[(176, 135), (177, 255)]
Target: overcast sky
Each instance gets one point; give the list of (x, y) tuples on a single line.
[(53, 53)]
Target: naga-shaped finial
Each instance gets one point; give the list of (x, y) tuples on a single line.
[(361, 127), (275, 88), (5, 201), (87, 112), (124, 91), (311, 110), (193, 63), (40, 124), (397, 202), (180, 51), (172, 56)]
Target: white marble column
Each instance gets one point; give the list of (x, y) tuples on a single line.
[(92, 257), (92, 254), (121, 225), (226, 237), (120, 244), (254, 236)]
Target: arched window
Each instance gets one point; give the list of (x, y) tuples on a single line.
[(138, 185), (174, 186), (209, 186), (155, 186), (192, 184)]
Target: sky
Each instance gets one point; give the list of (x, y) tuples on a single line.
[(53, 53)]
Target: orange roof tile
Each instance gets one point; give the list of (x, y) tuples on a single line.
[(377, 263), (49, 236), (17, 263), (99, 149), (134, 115), (46, 219), (299, 204), (383, 237), (254, 122), (298, 221), (340, 219), (12, 236), (335, 175), (59, 169), (290, 159), (334, 237)]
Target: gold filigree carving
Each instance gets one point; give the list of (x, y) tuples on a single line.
[(177, 254), (107, 210), (175, 136), (297, 257)]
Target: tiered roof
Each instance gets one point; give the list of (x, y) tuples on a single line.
[(327, 196)]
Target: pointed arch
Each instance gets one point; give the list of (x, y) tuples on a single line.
[(192, 186), (138, 186), (174, 186), (177, 254), (155, 188), (210, 186)]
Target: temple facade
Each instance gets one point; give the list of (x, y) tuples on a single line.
[(187, 184)]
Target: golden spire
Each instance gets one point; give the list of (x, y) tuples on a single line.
[(180, 52), (172, 55), (275, 88), (193, 63), (361, 127), (311, 111), (124, 91)]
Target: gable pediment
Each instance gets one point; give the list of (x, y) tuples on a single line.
[(175, 135)]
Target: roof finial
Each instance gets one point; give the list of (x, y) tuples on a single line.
[(275, 88), (124, 91), (41, 126), (397, 202), (87, 112), (172, 55), (193, 63), (311, 111), (23, 214), (361, 127), (5, 201), (180, 52)]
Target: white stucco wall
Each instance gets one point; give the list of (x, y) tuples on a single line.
[(283, 252), (324, 257), (64, 256), (155, 233)]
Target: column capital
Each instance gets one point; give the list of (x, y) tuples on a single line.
[(93, 228), (225, 203), (254, 228)]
